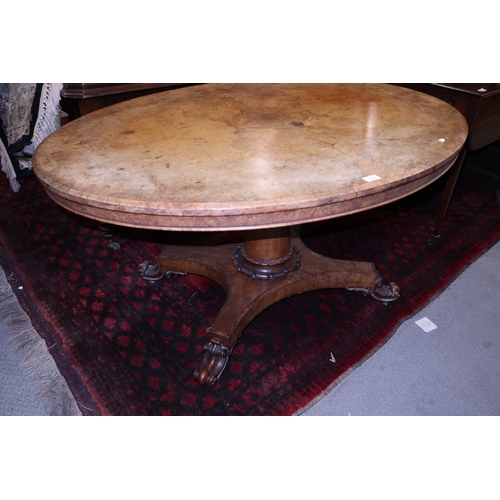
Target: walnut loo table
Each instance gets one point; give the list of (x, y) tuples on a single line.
[(258, 158)]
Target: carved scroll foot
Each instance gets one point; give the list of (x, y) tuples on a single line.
[(383, 293), (213, 363), (153, 272)]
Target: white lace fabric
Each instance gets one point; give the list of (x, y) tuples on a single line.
[(16, 104)]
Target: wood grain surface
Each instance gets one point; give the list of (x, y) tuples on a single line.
[(247, 156)]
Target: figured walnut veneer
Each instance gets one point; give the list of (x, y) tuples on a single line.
[(249, 156)]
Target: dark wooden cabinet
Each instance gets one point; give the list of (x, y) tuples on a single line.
[(480, 105), (78, 99), (478, 102)]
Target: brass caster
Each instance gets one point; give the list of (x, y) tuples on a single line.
[(433, 239), (150, 272), (153, 272), (383, 293), (386, 293)]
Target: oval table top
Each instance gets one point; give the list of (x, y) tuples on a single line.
[(246, 156)]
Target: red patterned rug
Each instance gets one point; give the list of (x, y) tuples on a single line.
[(129, 347)]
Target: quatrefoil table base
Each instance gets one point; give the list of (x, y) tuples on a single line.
[(248, 295)]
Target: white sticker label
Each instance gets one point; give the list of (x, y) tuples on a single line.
[(426, 324), (372, 178)]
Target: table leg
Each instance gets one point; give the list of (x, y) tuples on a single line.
[(448, 193), (268, 267)]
